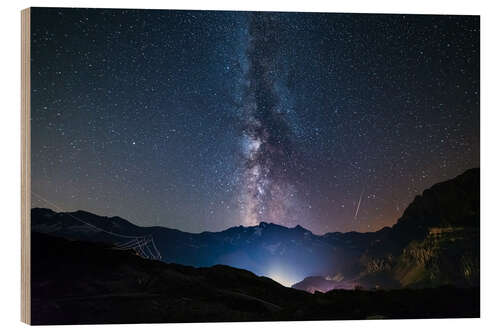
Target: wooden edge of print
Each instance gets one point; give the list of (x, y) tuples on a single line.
[(25, 168)]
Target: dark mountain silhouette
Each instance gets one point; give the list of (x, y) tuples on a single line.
[(435, 242), (81, 282)]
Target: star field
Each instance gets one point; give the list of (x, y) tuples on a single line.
[(203, 120)]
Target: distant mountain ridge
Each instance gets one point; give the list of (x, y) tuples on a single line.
[(438, 231), (266, 249)]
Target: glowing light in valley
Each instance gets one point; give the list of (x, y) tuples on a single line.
[(281, 277)]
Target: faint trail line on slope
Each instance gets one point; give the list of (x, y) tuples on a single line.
[(134, 242)]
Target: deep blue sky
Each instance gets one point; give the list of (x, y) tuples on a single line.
[(202, 120)]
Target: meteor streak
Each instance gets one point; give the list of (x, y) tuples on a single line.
[(359, 204)]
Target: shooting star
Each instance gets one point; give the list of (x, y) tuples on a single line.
[(359, 204)]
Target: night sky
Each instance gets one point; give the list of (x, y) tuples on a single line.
[(201, 120)]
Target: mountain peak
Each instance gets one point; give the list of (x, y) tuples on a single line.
[(299, 227), (264, 224)]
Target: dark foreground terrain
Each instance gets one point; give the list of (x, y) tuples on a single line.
[(77, 282)]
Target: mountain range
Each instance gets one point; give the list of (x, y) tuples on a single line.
[(434, 243)]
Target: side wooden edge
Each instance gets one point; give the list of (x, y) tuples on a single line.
[(25, 167)]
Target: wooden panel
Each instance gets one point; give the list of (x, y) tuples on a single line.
[(25, 168)]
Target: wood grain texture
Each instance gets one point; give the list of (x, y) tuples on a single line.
[(25, 167)]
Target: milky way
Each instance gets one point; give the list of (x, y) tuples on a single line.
[(205, 120), (268, 192)]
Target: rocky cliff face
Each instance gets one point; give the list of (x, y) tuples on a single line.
[(453, 203), (436, 241), (446, 256)]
